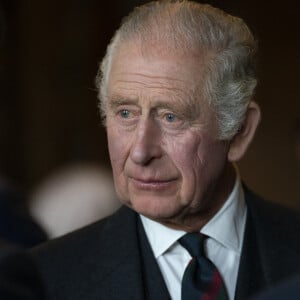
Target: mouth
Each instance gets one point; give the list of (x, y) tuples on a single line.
[(151, 184)]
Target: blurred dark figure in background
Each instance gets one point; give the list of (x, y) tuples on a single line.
[(19, 279), (16, 224)]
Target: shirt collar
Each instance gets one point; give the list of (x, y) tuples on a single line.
[(161, 237), (226, 227)]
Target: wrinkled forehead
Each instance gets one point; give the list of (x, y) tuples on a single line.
[(136, 51), (153, 60), (172, 77), (159, 46)]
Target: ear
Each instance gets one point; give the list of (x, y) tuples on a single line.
[(243, 138)]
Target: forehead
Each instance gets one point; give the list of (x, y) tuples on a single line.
[(134, 70)]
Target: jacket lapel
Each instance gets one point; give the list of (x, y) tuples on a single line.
[(271, 248), (130, 271), (154, 285), (120, 273), (251, 276)]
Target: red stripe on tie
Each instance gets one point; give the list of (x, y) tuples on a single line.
[(215, 286)]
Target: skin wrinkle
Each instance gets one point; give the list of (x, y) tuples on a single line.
[(200, 57), (187, 114), (179, 96)]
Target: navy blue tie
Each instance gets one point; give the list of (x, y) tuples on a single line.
[(201, 279)]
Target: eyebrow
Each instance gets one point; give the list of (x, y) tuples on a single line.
[(116, 100)]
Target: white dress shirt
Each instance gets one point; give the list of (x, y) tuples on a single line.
[(225, 233)]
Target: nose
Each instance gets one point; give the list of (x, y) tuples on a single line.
[(147, 144)]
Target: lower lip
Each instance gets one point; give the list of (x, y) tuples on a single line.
[(151, 185)]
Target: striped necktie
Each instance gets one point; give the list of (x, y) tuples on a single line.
[(201, 279)]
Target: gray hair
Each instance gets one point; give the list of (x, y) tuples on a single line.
[(226, 42)]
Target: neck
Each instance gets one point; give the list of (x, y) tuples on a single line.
[(211, 203)]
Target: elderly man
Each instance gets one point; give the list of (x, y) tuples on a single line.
[(176, 88)]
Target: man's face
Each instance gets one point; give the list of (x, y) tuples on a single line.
[(162, 136)]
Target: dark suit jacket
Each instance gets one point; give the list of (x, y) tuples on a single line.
[(288, 289), (112, 259), (19, 278)]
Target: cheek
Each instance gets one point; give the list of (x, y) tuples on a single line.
[(185, 154), (117, 145), (210, 160), (113, 147), (118, 156), (198, 159)]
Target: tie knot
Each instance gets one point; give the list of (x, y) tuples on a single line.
[(193, 243)]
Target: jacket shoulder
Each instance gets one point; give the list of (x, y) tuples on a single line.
[(272, 216), (99, 233), (276, 231), (92, 253)]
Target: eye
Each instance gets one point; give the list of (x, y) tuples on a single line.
[(171, 120), (124, 113), (170, 117)]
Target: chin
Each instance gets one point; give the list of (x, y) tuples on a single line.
[(156, 210)]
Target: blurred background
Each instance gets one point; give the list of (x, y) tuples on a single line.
[(49, 120)]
